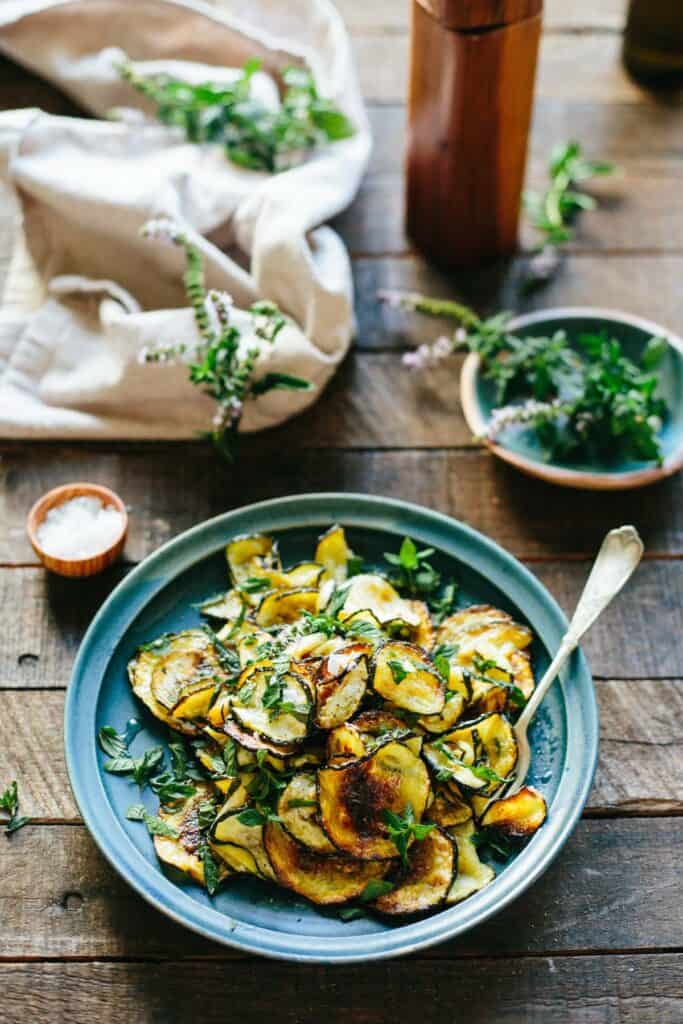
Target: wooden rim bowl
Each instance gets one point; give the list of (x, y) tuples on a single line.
[(76, 567)]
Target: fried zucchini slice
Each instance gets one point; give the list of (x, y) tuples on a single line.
[(374, 593), (479, 755), (425, 884), (344, 744), (354, 796), (253, 741), (298, 813), (456, 698), (475, 617), (252, 708), (285, 606), (239, 845), (251, 556), (229, 606), (248, 643), (378, 726), (325, 880), (189, 653), (195, 702), (423, 633), (518, 815), (333, 553), (447, 809), (404, 676), (180, 661), (340, 684), (182, 851), (472, 874)]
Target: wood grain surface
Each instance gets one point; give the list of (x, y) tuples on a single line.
[(599, 939)]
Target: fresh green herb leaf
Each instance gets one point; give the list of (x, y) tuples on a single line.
[(251, 134), (112, 743), (155, 826), (351, 913), (295, 803), (415, 575), (354, 565), (255, 583), (169, 788), (279, 382), (402, 828), (493, 841), (230, 759), (441, 659), (211, 872), (206, 814), (398, 671), (146, 766), (443, 606), (9, 805), (375, 888)]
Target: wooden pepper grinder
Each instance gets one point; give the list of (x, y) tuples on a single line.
[(473, 64)]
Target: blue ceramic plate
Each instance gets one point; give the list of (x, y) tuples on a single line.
[(158, 596), (520, 447)]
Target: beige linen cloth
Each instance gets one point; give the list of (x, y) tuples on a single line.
[(85, 293)]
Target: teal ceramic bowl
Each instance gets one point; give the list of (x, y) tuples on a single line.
[(519, 446), (158, 596)]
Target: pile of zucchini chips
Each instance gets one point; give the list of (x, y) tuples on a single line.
[(352, 747)]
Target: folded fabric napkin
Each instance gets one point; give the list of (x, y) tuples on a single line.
[(85, 292)]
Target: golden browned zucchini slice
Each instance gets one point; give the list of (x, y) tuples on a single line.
[(447, 809), (374, 593), (141, 674), (472, 874), (333, 553), (344, 744), (285, 606), (377, 726), (456, 698), (423, 634), (178, 662), (298, 813), (251, 705), (229, 606), (182, 851), (340, 684), (354, 796), (324, 880), (240, 845), (475, 617), (253, 741), (518, 815), (196, 701), (427, 880), (404, 676), (248, 642), (478, 755), (251, 556)]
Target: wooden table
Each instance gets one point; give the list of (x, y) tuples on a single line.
[(598, 939)]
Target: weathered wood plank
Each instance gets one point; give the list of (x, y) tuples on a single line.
[(558, 16), (578, 990), (590, 899), (529, 517), (640, 769), (586, 65), (636, 637), (622, 282), (641, 209)]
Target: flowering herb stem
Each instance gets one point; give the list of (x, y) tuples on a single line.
[(218, 363)]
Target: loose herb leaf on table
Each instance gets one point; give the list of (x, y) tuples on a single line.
[(229, 115), (9, 805)]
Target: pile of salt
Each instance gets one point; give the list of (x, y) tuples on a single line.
[(79, 528)]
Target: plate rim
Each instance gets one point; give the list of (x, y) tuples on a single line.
[(355, 510), (578, 479)]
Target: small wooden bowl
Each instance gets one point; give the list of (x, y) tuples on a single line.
[(76, 566)]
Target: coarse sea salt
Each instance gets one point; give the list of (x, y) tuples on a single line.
[(79, 528)]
